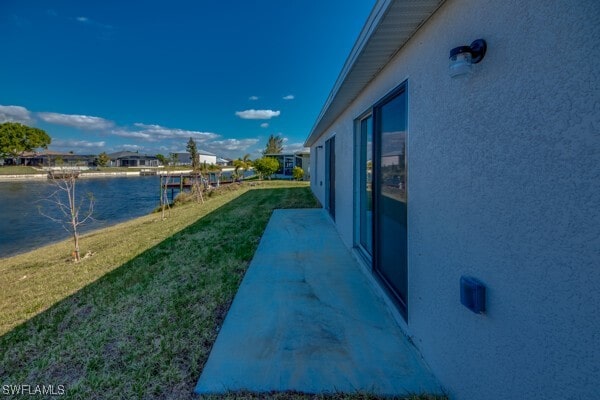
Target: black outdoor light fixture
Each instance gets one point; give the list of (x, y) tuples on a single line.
[(462, 57)]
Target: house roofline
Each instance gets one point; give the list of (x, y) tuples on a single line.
[(389, 26)]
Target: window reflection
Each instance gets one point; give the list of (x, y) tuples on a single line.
[(366, 184), (393, 147)]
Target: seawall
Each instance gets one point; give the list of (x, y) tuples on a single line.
[(29, 177)]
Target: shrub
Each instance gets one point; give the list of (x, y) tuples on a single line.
[(183, 197), (298, 173)]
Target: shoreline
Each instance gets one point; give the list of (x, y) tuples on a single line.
[(83, 235), (29, 177), (85, 175)]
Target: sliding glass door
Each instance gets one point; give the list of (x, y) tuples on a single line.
[(381, 195)]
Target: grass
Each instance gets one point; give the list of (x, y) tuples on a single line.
[(139, 317), (18, 170)]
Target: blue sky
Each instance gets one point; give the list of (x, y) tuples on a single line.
[(146, 75)]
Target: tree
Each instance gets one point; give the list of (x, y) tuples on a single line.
[(174, 158), (237, 165), (266, 166), (274, 145), (246, 162), (298, 173), (198, 185), (192, 149), (162, 159), (65, 200), (103, 159), (164, 196), (16, 138), (242, 163)]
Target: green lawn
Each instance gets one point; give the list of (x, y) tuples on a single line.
[(139, 317), (18, 170)]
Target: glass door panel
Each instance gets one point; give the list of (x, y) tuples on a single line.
[(330, 175), (390, 196), (366, 184)]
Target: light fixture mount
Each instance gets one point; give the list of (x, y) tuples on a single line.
[(463, 57), (476, 50)]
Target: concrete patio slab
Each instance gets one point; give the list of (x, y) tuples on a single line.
[(307, 319)]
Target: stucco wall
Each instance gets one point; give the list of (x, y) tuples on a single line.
[(208, 159), (504, 177)]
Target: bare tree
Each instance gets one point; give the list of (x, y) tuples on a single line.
[(198, 186), (69, 207), (164, 197)]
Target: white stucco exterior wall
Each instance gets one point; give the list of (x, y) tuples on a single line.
[(503, 185), (206, 158)]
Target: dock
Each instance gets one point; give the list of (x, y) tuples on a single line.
[(185, 181)]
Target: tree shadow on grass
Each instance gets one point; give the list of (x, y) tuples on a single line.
[(145, 329)]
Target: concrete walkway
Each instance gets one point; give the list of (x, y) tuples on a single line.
[(307, 319)]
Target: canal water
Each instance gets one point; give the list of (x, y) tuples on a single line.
[(23, 228)]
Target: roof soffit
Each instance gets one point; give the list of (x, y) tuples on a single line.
[(389, 26)]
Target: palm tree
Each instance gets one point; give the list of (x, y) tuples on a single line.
[(247, 163), (242, 163), (237, 164), (274, 145)]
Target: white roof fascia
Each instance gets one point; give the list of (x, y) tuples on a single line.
[(370, 38)]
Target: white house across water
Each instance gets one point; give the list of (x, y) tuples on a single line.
[(459, 156)]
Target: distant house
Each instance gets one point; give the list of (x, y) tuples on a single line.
[(470, 192), (207, 157), (48, 158), (223, 162), (132, 159), (203, 157), (302, 160), (287, 162)]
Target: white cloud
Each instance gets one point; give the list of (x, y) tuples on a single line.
[(232, 144), (264, 125), (105, 32), (289, 97), (122, 132), (294, 147), (131, 147), (257, 114), (15, 114), (77, 121), (157, 132), (77, 146), (231, 148), (253, 98)]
